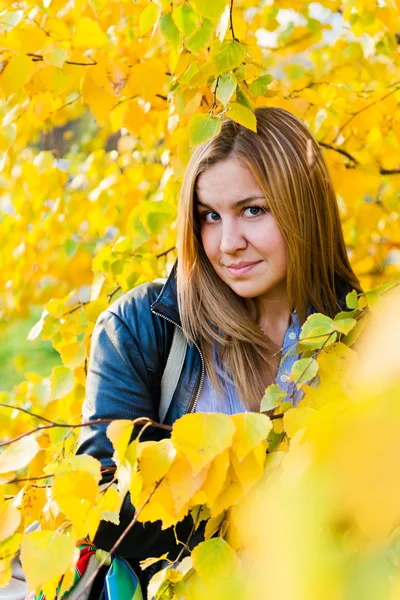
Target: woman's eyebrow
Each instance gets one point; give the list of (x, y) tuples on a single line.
[(237, 204)]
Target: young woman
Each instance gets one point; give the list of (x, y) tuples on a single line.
[(260, 247)]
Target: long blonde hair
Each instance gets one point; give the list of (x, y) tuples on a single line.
[(290, 168)]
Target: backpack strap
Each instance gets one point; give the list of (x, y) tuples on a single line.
[(172, 369)]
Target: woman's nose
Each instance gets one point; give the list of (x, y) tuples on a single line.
[(232, 238)]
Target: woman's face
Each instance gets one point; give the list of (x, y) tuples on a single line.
[(240, 236)]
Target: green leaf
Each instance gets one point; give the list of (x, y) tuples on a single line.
[(202, 127), (211, 9), (315, 332), (355, 333), (186, 19), (201, 39), (241, 98), (352, 300), (303, 370), (243, 115), (344, 325), (240, 73), (214, 559), (229, 56), (259, 86), (274, 394), (190, 72), (170, 30), (148, 18), (61, 382), (225, 87)]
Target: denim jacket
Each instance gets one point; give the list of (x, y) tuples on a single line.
[(129, 349)]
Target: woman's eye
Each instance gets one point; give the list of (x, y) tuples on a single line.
[(213, 216), (254, 211)]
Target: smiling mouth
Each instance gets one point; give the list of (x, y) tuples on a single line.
[(242, 270)]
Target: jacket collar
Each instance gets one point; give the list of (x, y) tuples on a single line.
[(166, 302)]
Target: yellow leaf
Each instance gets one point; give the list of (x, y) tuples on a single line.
[(16, 74), (10, 518), (202, 436), (251, 429), (46, 555), (56, 81), (56, 57), (8, 549), (79, 462), (228, 496), (99, 101), (243, 115), (57, 29), (33, 502), (28, 38), (155, 459), (296, 419), (147, 78), (135, 486), (134, 119), (213, 525), (7, 136), (251, 468), (73, 355), (88, 34), (18, 455), (75, 493), (98, 6), (109, 505), (216, 476), (74, 484), (171, 500), (119, 433)]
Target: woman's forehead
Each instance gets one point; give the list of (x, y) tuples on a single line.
[(228, 180)]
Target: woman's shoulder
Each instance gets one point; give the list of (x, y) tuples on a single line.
[(133, 307)]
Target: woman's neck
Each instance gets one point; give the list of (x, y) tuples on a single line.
[(275, 319)]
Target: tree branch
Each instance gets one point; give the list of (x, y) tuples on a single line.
[(141, 420)]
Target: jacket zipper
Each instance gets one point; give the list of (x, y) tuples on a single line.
[(192, 405)]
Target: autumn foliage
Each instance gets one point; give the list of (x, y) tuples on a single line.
[(101, 104)]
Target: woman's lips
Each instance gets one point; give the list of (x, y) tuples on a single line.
[(242, 270)]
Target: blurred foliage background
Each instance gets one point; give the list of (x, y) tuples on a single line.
[(101, 105)]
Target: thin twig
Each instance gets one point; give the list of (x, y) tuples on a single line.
[(231, 22), (28, 412), (111, 294), (165, 252), (148, 423), (358, 112), (39, 58)]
